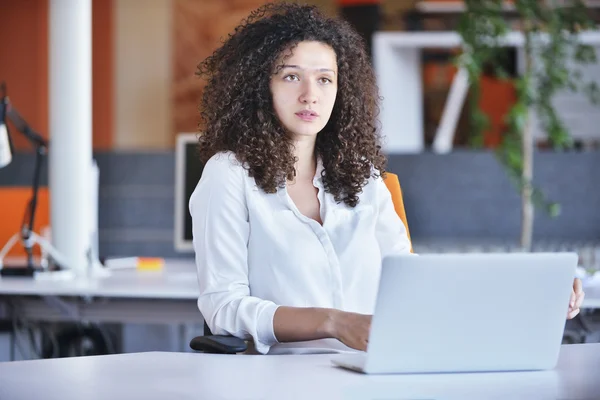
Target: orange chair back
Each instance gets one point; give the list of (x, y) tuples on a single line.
[(393, 185)]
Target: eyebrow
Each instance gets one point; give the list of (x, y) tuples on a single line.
[(299, 67)]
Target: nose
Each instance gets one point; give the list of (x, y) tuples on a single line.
[(309, 93)]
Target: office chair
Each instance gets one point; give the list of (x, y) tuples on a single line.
[(225, 344)]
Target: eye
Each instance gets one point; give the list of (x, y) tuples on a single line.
[(291, 78), (325, 81)]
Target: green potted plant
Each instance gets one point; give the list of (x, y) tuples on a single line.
[(552, 50)]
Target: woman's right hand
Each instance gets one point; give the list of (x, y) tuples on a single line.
[(352, 329)]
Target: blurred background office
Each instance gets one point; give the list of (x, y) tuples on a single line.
[(144, 114)]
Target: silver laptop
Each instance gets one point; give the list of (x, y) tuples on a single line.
[(468, 313)]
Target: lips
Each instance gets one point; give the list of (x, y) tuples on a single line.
[(307, 115)]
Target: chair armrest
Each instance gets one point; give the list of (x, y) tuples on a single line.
[(218, 344)]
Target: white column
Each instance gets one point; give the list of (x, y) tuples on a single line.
[(398, 70), (70, 150)]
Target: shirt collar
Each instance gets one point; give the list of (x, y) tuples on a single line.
[(318, 177)]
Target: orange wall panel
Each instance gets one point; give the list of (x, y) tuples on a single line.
[(13, 203), (24, 62)]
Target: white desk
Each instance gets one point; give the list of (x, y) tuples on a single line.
[(153, 376), (178, 280), (166, 296)]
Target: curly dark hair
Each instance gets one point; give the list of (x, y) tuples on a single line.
[(237, 113)]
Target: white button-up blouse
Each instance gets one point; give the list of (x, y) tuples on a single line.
[(255, 251)]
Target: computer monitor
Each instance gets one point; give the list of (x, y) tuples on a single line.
[(188, 170)]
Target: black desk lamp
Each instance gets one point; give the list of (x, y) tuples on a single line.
[(27, 235)]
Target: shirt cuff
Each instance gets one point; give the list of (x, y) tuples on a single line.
[(264, 330)]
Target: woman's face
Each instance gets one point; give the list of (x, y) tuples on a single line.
[(304, 89)]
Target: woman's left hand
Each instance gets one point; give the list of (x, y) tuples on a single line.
[(576, 300)]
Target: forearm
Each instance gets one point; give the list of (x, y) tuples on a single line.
[(295, 324)]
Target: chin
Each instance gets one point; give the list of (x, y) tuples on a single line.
[(306, 131), (305, 134)]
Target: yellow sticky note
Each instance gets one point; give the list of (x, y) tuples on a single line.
[(150, 263)]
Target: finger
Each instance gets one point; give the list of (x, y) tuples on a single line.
[(577, 286), (573, 314), (572, 300)]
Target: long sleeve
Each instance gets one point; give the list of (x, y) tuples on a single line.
[(391, 233), (220, 235)]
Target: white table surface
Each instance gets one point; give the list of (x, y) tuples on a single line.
[(151, 376), (127, 295), (177, 280)]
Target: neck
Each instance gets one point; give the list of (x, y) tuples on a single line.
[(304, 151)]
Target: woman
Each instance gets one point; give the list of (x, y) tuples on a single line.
[(291, 217)]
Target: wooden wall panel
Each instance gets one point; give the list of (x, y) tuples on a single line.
[(198, 28)]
